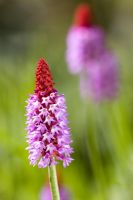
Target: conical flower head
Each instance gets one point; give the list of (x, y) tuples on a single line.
[(44, 82), (48, 133), (83, 15), (85, 41)]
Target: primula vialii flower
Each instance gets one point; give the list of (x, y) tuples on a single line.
[(85, 42), (87, 55), (48, 132)]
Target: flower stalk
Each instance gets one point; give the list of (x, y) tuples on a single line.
[(53, 183)]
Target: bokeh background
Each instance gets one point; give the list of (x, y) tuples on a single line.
[(102, 133)]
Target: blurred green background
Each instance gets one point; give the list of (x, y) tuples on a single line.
[(102, 134)]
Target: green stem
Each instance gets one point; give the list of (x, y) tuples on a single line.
[(53, 183)]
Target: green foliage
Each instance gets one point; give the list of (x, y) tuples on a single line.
[(102, 133)]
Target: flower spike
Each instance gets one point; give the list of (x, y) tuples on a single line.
[(88, 55), (47, 125), (44, 82)]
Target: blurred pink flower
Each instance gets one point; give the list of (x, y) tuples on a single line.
[(87, 55), (85, 42), (46, 193)]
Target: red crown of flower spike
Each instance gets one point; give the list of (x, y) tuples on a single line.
[(83, 15), (44, 82)]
